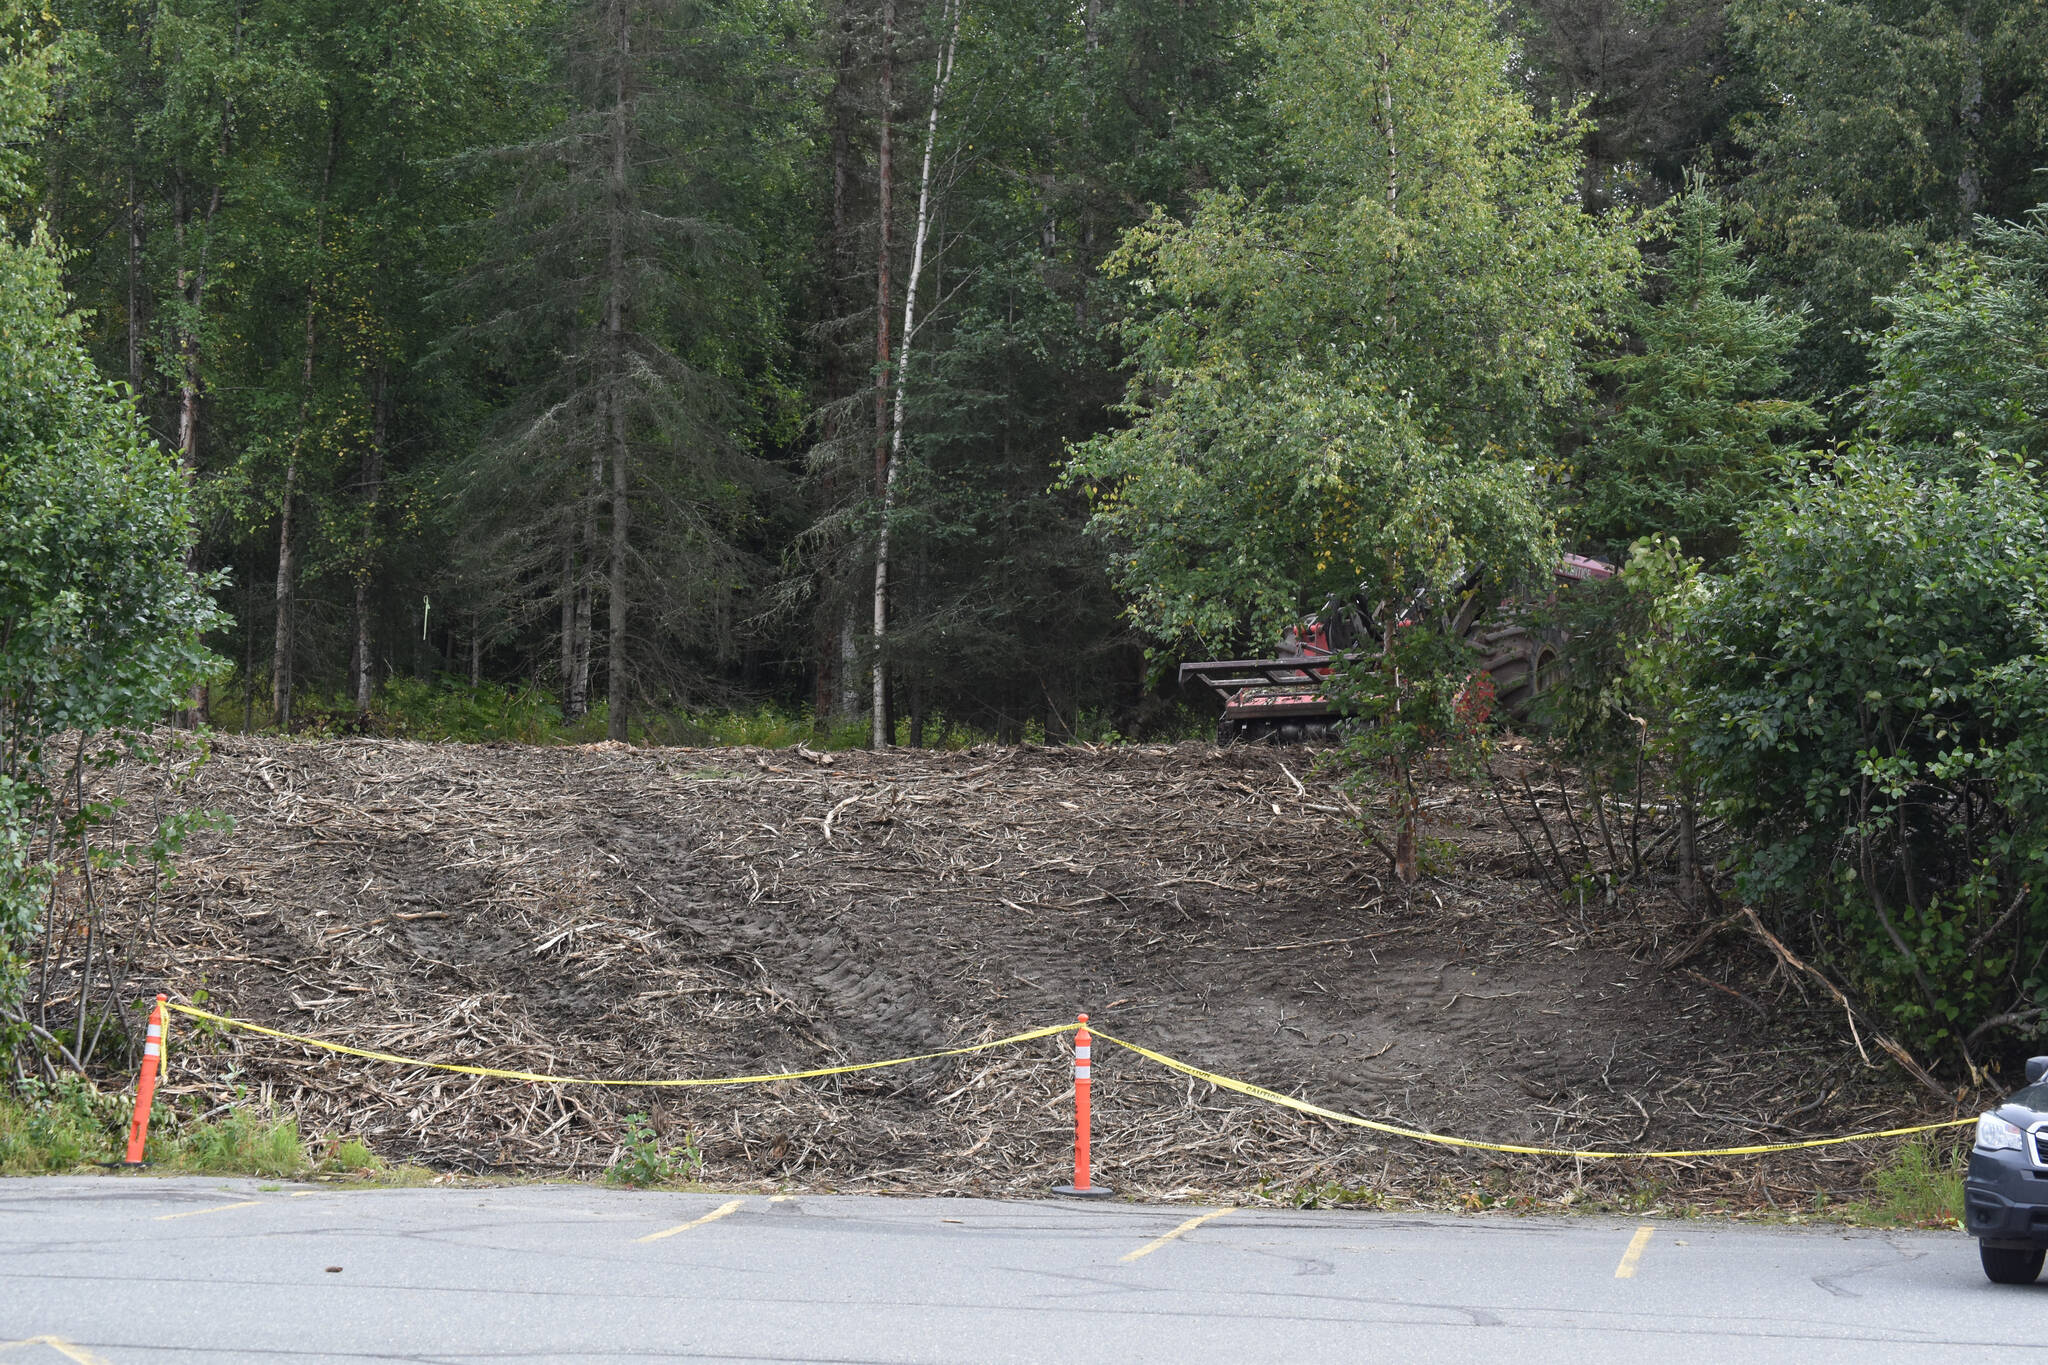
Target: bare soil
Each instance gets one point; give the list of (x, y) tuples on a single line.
[(615, 912)]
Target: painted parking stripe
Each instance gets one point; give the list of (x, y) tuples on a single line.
[(1627, 1269), (721, 1211), (70, 1350), (1184, 1228), (215, 1208)]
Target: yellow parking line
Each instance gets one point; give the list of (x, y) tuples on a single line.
[(1187, 1227), (216, 1208), (61, 1347), (711, 1217), (1627, 1269)]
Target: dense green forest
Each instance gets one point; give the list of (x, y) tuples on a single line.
[(662, 354), (903, 364)]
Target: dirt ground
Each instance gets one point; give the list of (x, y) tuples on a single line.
[(614, 912)]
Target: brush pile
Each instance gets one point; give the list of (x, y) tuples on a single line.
[(635, 913)]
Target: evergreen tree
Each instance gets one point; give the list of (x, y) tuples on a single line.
[(1694, 435), (619, 299), (1880, 126), (1964, 361)]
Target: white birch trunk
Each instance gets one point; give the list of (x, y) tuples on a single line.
[(918, 239)]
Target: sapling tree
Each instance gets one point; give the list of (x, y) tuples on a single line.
[(1340, 388), (99, 616)]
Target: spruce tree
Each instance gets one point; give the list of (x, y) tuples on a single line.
[(1693, 436)]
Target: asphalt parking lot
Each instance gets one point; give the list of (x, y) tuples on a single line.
[(134, 1269)]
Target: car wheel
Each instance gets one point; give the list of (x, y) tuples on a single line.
[(2011, 1265)]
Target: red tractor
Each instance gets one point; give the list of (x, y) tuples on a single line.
[(1282, 700)]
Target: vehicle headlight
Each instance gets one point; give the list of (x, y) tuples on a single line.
[(1994, 1134)]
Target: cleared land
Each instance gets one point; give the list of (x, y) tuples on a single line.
[(613, 912)]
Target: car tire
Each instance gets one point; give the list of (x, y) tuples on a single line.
[(2011, 1265)]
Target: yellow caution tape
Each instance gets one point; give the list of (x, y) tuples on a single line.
[(585, 1080), (1259, 1092)]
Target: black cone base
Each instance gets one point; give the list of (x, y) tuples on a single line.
[(1076, 1192)]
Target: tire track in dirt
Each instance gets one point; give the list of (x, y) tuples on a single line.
[(608, 911)]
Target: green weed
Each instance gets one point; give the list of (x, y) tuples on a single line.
[(1921, 1186), (54, 1127), (352, 1155), (643, 1161), (237, 1143)]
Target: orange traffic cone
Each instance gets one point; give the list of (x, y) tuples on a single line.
[(145, 1088), (1083, 1051)]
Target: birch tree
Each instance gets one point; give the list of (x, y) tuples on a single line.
[(884, 728)]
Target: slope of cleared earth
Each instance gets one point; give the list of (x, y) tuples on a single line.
[(613, 912)]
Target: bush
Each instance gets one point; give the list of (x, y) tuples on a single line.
[(643, 1161), (1867, 700), (99, 617)]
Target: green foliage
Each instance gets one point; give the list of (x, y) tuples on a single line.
[(240, 1142), (52, 1128), (1919, 1186), (643, 1161), (1694, 436), (1334, 384), (1879, 126), (1964, 361), (1339, 387), (351, 1155), (1866, 698), (99, 617), (1609, 705)]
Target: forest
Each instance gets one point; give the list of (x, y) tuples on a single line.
[(899, 365), (659, 355)]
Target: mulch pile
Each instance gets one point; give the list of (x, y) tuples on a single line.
[(616, 912)]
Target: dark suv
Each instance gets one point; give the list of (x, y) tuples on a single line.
[(2005, 1194)]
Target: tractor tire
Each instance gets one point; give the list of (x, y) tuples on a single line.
[(1523, 664)]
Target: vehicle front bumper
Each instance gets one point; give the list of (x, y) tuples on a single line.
[(2005, 1200)]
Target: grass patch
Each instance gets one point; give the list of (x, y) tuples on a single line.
[(1920, 1187), (235, 1143), (55, 1128), (48, 1128)]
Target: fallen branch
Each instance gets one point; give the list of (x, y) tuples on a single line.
[(1891, 1048)]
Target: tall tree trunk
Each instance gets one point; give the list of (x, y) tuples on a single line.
[(364, 657), (577, 704), (191, 286), (881, 732), (830, 697), (568, 671), (136, 323), (884, 723), (1393, 181), (281, 644), (1969, 184), (615, 398)]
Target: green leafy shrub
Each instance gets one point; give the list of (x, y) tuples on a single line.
[(55, 1127), (1963, 354), (99, 617), (1867, 702), (644, 1161)]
